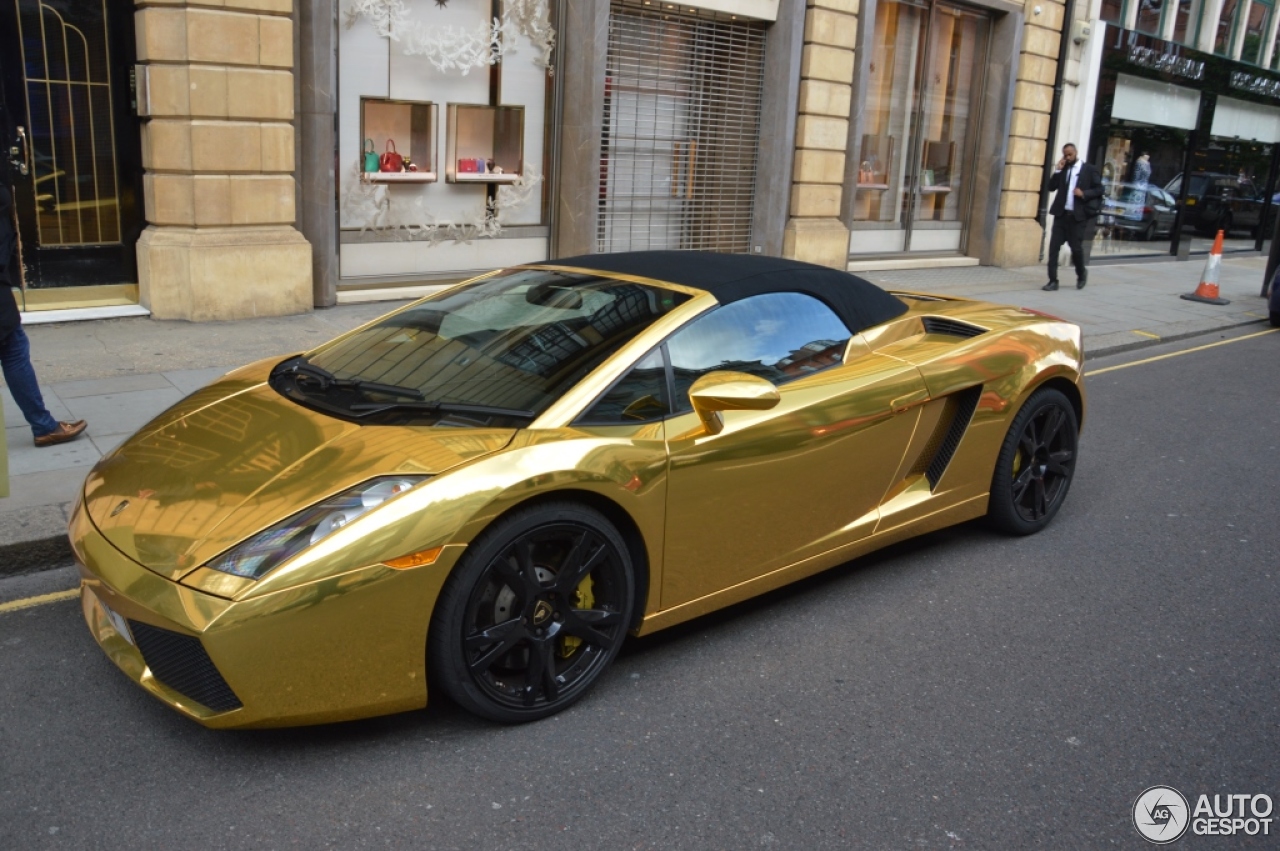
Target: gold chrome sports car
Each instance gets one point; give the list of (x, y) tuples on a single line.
[(488, 489)]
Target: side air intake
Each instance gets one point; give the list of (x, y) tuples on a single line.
[(960, 410), (180, 662), (950, 327)]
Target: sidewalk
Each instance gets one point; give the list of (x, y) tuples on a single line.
[(118, 373)]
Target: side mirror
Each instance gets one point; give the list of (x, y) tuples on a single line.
[(730, 391)]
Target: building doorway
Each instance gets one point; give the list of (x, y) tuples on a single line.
[(681, 130), (67, 72), (915, 172)]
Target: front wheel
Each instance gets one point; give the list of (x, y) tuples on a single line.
[(534, 614), (1036, 464)]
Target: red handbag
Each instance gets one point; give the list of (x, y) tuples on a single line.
[(391, 161)]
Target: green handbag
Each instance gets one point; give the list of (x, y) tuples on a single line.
[(370, 156)]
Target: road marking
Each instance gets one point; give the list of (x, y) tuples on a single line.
[(1183, 352), (29, 602), (1147, 334)]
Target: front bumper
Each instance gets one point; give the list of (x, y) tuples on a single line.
[(348, 646)]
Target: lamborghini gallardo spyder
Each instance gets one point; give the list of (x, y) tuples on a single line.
[(484, 492)]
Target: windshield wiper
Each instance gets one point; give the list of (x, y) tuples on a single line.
[(327, 379), (440, 408)]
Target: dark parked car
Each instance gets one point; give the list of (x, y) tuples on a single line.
[(1143, 212), (1223, 202)]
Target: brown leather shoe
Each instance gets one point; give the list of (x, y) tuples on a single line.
[(66, 432)]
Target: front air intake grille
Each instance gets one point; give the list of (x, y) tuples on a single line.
[(966, 404), (950, 327), (181, 663)]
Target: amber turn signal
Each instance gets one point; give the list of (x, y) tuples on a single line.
[(422, 558)]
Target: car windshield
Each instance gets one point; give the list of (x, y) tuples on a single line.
[(496, 352)]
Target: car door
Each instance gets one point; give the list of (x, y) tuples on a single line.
[(776, 487)]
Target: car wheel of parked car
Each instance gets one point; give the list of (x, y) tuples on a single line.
[(1148, 233), (1035, 465), (534, 613)]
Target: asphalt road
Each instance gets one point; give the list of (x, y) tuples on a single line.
[(960, 691)]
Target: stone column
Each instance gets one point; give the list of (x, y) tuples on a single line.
[(814, 232), (218, 150), (1018, 235)]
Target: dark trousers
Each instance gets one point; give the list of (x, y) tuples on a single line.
[(15, 359), (1075, 235)]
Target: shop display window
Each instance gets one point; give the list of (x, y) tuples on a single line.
[(398, 141), (485, 144), (876, 162)]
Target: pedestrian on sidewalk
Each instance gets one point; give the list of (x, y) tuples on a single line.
[(1075, 212), (15, 348)]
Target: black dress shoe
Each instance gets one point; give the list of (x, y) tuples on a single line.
[(1050, 287), (1082, 280)]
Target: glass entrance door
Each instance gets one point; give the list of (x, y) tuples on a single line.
[(915, 174), (66, 85)]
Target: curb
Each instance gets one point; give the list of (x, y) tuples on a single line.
[(47, 552)]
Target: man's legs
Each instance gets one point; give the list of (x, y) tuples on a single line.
[(1075, 242), (1058, 235), (15, 357)]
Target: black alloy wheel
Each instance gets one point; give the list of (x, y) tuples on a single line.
[(1036, 464), (534, 614)]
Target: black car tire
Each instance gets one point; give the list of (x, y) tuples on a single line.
[(1149, 232), (533, 614), (1036, 464)]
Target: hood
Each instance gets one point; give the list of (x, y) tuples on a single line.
[(238, 457)]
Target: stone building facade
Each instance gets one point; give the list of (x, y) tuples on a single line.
[(849, 133)]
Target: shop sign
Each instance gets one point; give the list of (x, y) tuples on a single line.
[(1170, 63), (1257, 85)]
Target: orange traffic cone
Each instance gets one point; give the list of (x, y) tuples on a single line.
[(1207, 292)]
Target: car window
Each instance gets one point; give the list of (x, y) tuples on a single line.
[(640, 396), (777, 336), (515, 341)]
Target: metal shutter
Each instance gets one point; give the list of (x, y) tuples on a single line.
[(681, 130)]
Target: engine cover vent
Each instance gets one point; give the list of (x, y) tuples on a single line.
[(950, 327)]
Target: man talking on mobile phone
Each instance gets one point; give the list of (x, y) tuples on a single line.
[(1075, 212)]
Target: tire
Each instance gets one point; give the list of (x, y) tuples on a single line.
[(1025, 496), (534, 613), (1148, 233)]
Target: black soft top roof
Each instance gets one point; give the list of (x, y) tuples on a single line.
[(730, 277)]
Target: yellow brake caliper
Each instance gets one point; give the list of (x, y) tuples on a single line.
[(582, 599)]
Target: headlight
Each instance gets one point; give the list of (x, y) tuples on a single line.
[(281, 542)]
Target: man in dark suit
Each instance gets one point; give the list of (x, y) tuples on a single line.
[(1075, 212)]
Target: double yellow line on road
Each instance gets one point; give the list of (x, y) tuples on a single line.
[(58, 596)]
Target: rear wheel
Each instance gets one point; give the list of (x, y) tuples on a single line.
[(1036, 464), (534, 614)]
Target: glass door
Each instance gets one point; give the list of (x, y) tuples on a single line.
[(915, 174), (66, 73)]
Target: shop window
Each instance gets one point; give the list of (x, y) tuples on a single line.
[(1254, 33), (1222, 42), (1149, 16), (1182, 21), (399, 141), (485, 145)]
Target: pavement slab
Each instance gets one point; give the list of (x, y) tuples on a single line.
[(119, 373)]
